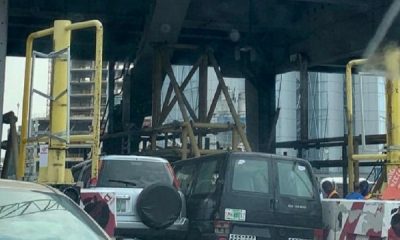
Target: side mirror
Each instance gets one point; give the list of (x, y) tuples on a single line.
[(73, 192)]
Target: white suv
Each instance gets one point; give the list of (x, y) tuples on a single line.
[(149, 204)]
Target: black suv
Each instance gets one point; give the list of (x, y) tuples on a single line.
[(250, 196)]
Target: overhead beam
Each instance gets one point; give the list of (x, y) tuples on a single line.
[(346, 38), (358, 3), (164, 26)]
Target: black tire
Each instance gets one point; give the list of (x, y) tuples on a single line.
[(159, 205)]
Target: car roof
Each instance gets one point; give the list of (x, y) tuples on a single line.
[(244, 154), (134, 158), (21, 185)]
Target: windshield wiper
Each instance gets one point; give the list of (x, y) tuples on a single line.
[(127, 182)]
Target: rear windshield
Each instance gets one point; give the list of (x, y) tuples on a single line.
[(250, 175), (294, 179), (128, 174), (30, 214)]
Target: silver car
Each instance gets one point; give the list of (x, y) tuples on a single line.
[(34, 211), (149, 204)]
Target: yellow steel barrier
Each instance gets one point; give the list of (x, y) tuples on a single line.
[(55, 173), (392, 64), (349, 114), (26, 98)]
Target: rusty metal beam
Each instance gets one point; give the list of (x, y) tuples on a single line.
[(232, 109), (214, 103), (195, 149), (168, 107), (356, 3)]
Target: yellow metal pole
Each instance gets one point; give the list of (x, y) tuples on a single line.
[(80, 138), (235, 139), (349, 114), (359, 157), (392, 62), (97, 89), (58, 108), (26, 99)]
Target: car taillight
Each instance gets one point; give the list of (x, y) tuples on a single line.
[(222, 228), (319, 234), (176, 183), (93, 182)]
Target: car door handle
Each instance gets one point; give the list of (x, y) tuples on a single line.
[(272, 203), (124, 197)]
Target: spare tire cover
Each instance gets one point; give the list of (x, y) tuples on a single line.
[(159, 205)]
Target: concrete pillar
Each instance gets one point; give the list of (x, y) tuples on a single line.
[(260, 112), (156, 95), (252, 124), (3, 54)]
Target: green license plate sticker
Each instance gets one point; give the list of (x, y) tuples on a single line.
[(235, 214)]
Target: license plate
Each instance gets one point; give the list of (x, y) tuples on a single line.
[(121, 205), (235, 214), (241, 237)]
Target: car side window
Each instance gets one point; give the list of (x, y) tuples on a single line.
[(207, 178), (294, 179), (250, 175), (185, 176)]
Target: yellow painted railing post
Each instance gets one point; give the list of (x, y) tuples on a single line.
[(97, 89), (349, 115), (392, 62), (58, 108), (26, 99)]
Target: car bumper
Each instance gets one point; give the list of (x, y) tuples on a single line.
[(178, 230)]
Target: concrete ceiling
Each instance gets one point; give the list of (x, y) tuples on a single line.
[(328, 32)]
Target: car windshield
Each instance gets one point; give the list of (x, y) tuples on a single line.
[(128, 174), (34, 215)]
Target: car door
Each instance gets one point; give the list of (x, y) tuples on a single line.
[(185, 173), (203, 197), (248, 201), (297, 205)]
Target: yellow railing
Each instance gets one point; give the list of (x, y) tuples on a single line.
[(55, 173), (392, 65)]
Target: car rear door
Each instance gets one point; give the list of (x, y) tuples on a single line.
[(127, 179), (248, 199), (203, 197), (297, 203)]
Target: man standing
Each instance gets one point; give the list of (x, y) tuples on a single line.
[(359, 190), (329, 189)]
